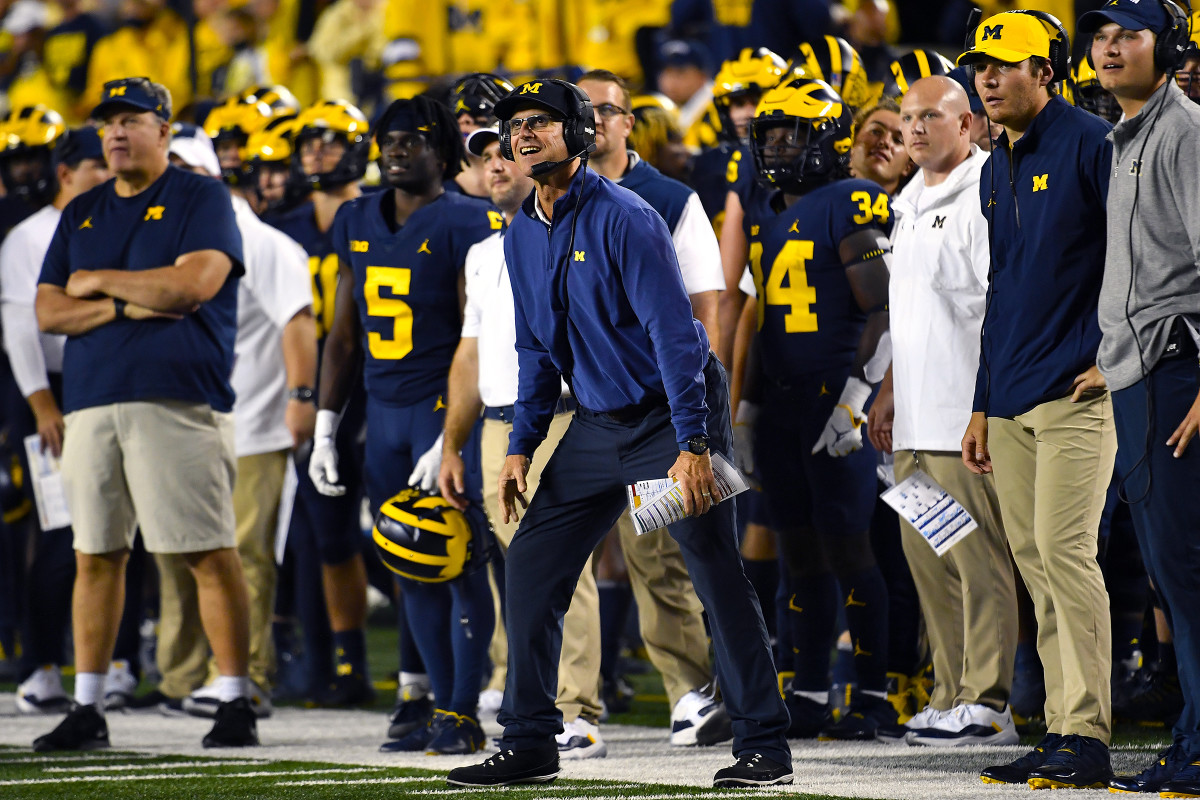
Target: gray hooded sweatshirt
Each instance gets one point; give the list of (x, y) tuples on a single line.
[(1155, 195)]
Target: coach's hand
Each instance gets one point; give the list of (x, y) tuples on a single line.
[(451, 479), (697, 483), (425, 473), (134, 311), (300, 417), (1186, 430), (512, 487), (975, 445), (881, 417), (1086, 382), (83, 284), (322, 464)]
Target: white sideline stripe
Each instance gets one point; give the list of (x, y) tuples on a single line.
[(172, 765), (69, 757), (356, 781), (177, 776), (458, 790)]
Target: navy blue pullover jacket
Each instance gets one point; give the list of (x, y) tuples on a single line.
[(1046, 210), (610, 314)]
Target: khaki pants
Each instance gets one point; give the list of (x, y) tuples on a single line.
[(579, 664), (182, 649), (968, 596), (1053, 465), (669, 612)]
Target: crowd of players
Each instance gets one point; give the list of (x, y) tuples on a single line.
[(381, 253)]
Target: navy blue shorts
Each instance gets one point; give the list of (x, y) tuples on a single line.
[(834, 496)]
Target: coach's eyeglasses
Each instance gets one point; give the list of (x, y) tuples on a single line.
[(537, 123)]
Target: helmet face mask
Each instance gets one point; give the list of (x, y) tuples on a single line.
[(800, 137)]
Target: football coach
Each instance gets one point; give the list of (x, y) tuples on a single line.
[(600, 301), (142, 278)]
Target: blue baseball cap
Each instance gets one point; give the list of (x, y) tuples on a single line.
[(78, 144), (962, 76), (1132, 15), (135, 93), (683, 53)]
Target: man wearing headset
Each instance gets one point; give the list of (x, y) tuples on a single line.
[(1041, 415), (1149, 319), (600, 301)]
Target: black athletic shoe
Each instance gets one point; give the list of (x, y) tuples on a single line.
[(83, 728), (808, 716), (510, 767), (752, 769), (235, 726), (409, 715), (1079, 762), (867, 715), (1151, 779), (1185, 783), (347, 691), (1018, 771)]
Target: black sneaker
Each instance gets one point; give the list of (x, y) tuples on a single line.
[(1018, 771), (752, 769), (1185, 782), (416, 740), (235, 726), (1151, 779), (510, 767), (347, 691), (83, 728), (409, 715), (455, 735), (808, 716), (1079, 762), (867, 715)]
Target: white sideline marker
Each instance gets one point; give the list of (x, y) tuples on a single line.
[(177, 776), (172, 765)]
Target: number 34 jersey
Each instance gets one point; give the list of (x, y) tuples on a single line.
[(808, 318), (406, 287)]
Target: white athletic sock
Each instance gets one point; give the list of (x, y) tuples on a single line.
[(413, 686), (816, 697), (89, 689), (231, 687)]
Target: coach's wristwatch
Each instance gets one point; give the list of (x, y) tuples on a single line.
[(698, 445), (304, 394)]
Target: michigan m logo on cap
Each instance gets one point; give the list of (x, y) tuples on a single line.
[(991, 32), (116, 91), (531, 88)]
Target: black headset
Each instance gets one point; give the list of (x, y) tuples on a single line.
[(579, 128), (1170, 43), (1060, 47)]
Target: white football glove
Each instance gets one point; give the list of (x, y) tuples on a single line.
[(843, 432), (425, 473), (322, 464), (743, 436)]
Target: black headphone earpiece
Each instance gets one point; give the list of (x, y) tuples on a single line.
[(1060, 47), (579, 128)]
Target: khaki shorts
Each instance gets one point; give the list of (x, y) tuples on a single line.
[(165, 466)]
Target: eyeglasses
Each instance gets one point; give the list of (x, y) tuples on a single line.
[(610, 110), (536, 123)]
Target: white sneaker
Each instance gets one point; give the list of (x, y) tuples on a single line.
[(119, 685), (699, 719), (966, 725), (897, 733), (489, 702), (927, 717), (580, 739), (42, 692), (204, 701)]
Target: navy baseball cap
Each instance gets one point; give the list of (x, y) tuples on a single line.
[(963, 77), (683, 53), (135, 93), (78, 144), (480, 138), (1131, 15), (549, 95)]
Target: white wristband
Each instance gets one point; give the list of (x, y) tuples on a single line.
[(327, 424), (855, 395)]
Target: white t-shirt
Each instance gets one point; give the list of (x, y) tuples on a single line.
[(274, 289), (32, 353), (936, 297)]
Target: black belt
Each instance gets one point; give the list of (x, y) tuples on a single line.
[(636, 412), (507, 413)]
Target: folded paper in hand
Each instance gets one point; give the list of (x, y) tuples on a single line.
[(658, 503)]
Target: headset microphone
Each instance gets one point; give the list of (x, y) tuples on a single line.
[(546, 167)]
